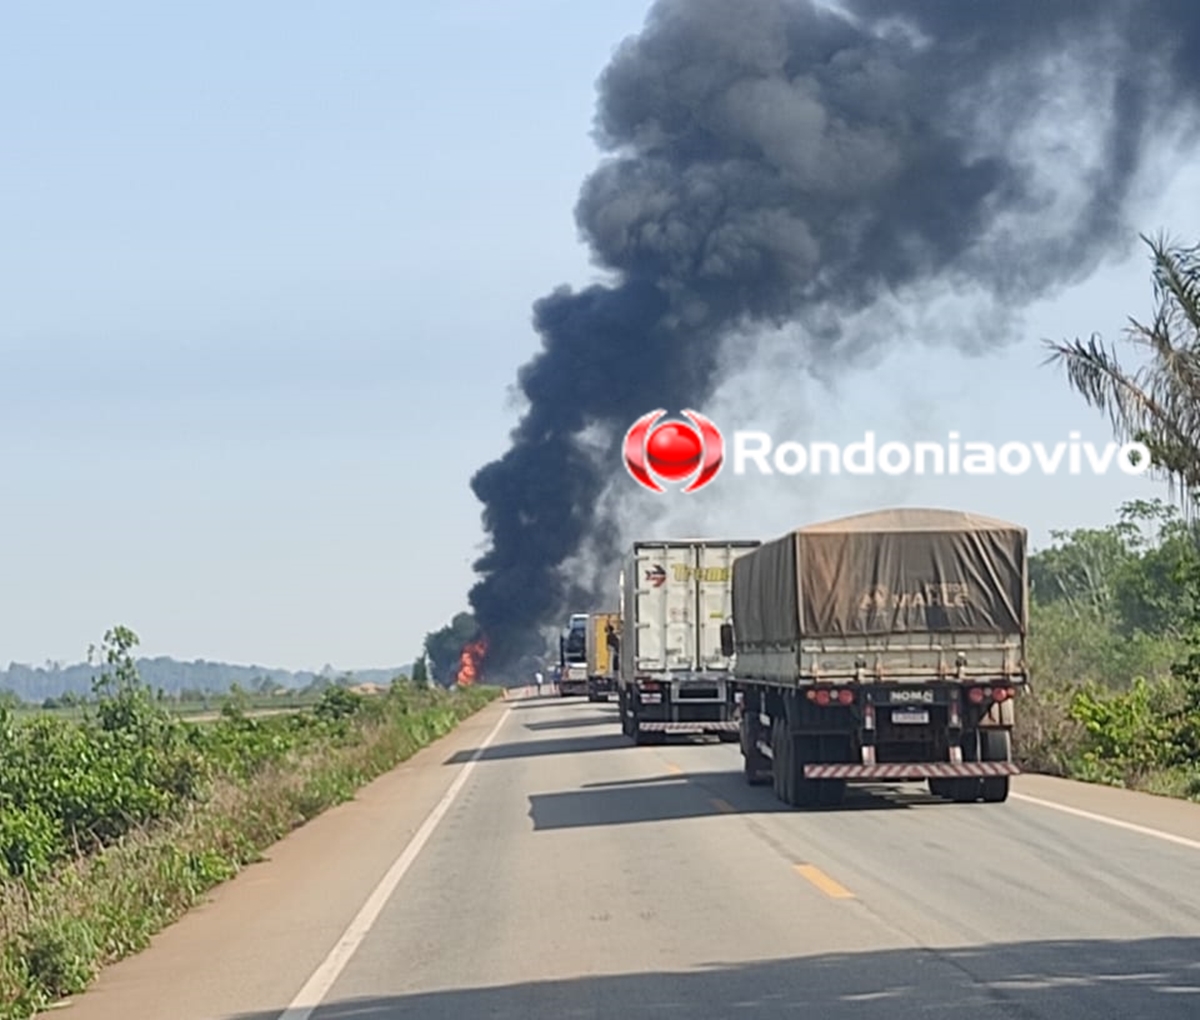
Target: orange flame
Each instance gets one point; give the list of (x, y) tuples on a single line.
[(469, 662)]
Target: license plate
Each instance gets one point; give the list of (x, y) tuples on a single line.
[(917, 718)]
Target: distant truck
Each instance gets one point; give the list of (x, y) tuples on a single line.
[(884, 647), (603, 637), (674, 677), (573, 657)]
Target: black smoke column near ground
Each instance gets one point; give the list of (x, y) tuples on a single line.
[(774, 160)]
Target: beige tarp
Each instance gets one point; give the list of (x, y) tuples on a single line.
[(891, 571)]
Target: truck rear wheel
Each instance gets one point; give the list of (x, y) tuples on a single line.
[(801, 751), (832, 792), (643, 737), (995, 745), (834, 750), (778, 761), (754, 762), (968, 789)]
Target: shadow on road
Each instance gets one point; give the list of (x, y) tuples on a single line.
[(616, 802), (610, 719), (545, 701), (536, 748), (699, 795), (1144, 979)]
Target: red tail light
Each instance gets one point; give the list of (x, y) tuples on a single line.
[(845, 697), (822, 697), (980, 694)]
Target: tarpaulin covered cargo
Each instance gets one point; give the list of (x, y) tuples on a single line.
[(886, 572)]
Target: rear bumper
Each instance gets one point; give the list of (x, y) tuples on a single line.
[(929, 770), (688, 727)]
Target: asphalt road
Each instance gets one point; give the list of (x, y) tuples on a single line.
[(567, 873)]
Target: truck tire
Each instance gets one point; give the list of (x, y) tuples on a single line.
[(643, 737), (778, 765), (832, 792), (754, 763), (968, 789), (995, 745), (803, 792)]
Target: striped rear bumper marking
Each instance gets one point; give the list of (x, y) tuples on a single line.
[(928, 771), (689, 727)]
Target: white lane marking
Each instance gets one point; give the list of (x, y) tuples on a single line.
[(317, 987), (1169, 837)]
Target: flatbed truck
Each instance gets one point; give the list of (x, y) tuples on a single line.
[(886, 647)]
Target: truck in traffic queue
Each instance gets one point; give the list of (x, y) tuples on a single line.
[(884, 647), (573, 657), (603, 638), (673, 676)]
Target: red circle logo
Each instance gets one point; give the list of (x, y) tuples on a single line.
[(674, 450)]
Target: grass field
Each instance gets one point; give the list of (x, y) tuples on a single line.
[(197, 711)]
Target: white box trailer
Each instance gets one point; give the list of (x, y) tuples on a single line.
[(674, 677)]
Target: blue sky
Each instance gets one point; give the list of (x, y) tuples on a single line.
[(268, 273)]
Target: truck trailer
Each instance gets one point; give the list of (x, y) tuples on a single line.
[(674, 677), (603, 636), (885, 647)]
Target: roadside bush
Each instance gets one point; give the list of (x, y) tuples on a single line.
[(113, 825), (1115, 655)]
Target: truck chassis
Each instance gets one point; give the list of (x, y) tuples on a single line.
[(601, 688), (810, 740), (652, 710)]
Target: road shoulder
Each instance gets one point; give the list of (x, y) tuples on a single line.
[(1169, 815), (257, 938)]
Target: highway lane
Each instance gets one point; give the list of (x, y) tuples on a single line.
[(575, 875)]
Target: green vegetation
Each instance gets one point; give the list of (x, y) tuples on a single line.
[(114, 823), (1115, 650), (1115, 634)]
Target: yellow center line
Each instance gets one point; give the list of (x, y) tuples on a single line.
[(722, 805), (672, 767), (834, 890)]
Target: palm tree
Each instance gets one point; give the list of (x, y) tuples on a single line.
[(1159, 403)]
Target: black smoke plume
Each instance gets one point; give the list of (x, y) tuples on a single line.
[(775, 162)]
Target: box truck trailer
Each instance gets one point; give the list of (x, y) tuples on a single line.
[(673, 676)]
